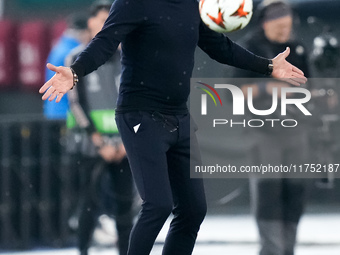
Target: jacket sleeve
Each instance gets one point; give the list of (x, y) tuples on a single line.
[(220, 48), (125, 16)]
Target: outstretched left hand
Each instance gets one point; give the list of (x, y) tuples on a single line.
[(286, 71)]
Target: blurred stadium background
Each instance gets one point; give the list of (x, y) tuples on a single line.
[(37, 183)]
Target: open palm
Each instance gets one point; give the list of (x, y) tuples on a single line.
[(58, 85), (286, 71)]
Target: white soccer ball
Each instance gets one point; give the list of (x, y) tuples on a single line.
[(226, 15)]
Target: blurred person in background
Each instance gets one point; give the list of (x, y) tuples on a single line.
[(75, 34), (325, 59), (326, 55), (108, 186), (278, 203), (326, 65)]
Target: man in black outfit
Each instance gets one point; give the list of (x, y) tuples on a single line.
[(158, 40), (108, 185), (278, 203)]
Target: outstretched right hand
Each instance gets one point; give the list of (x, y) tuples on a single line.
[(59, 84)]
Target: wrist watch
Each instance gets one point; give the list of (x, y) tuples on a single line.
[(75, 78), (270, 68)]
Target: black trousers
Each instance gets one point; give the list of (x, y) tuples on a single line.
[(279, 203), (158, 148), (108, 188)]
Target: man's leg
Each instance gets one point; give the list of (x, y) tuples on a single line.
[(188, 194), (89, 208), (267, 198), (146, 143), (295, 190), (123, 196)]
